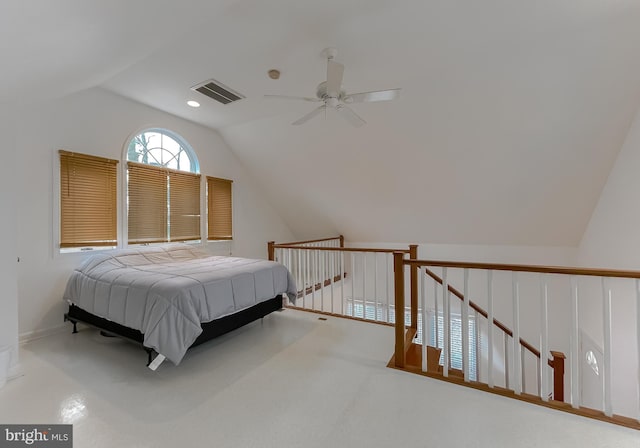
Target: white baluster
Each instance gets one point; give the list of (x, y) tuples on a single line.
[(332, 255), (289, 264), (353, 282), (364, 285), (323, 255), (506, 360), (517, 355), (465, 327), (574, 351), (544, 338), (606, 316), (301, 265), (524, 384), (447, 323), (315, 255), (389, 285), (437, 315), (299, 270), (490, 380), (342, 280), (423, 310), (305, 278), (336, 243), (287, 259), (478, 357), (375, 285), (293, 267), (538, 377)]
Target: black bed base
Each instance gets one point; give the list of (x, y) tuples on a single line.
[(210, 330)]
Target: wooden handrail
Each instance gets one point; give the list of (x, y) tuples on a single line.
[(320, 240), (526, 268), (341, 249), (482, 312)]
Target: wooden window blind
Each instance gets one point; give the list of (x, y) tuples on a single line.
[(164, 205), (147, 204), (88, 200), (219, 197), (184, 206)]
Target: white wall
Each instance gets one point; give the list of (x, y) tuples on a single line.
[(100, 123), (612, 238), (8, 269)]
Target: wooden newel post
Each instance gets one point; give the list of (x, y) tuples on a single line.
[(271, 250), (557, 364), (413, 255), (343, 271), (398, 276)]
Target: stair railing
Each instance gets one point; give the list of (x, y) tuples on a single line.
[(354, 282), (574, 282), (556, 363)]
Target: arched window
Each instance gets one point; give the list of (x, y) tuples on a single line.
[(163, 189), (162, 148)]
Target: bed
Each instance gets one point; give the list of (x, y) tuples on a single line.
[(173, 297)]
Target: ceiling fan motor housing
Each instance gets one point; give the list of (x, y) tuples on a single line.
[(330, 101)]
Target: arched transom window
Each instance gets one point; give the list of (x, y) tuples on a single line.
[(161, 148)]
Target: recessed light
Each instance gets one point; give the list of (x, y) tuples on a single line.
[(193, 103)]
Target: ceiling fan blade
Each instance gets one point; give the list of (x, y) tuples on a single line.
[(349, 115), (368, 97), (335, 70), (297, 98), (309, 116)]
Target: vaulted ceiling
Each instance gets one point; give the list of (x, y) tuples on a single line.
[(510, 117)]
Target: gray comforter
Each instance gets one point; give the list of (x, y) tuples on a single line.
[(165, 292)]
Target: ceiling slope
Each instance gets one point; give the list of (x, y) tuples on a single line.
[(508, 126), (510, 118), (52, 48)]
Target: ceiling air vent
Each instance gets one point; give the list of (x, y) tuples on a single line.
[(218, 91)]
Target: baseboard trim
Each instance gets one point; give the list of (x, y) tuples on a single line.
[(29, 336)]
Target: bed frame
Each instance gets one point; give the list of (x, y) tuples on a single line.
[(210, 330)]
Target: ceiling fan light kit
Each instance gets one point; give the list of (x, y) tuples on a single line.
[(332, 96)]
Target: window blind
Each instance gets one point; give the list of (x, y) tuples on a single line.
[(88, 200), (219, 196), (456, 341), (184, 206), (147, 204)]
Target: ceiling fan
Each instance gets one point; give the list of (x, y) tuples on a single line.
[(332, 96)]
